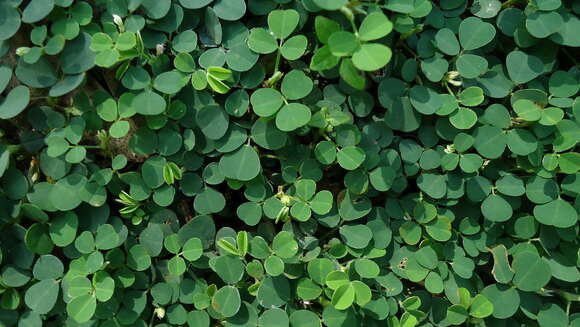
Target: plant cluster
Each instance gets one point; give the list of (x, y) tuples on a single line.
[(280, 163)]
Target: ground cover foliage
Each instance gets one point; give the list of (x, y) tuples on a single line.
[(289, 163)]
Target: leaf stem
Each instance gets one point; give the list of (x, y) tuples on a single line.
[(278, 55), (347, 12), (449, 89), (512, 2), (570, 56), (274, 79), (271, 156), (405, 47)]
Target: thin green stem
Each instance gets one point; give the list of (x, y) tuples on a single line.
[(278, 57), (405, 47), (271, 156), (274, 79), (570, 56), (449, 89), (510, 3), (347, 12)]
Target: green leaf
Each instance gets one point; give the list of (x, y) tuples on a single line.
[(351, 74), (523, 67), (274, 317), (350, 157), (447, 42), (474, 33), (323, 59), (63, 229), (427, 257), (231, 10), (434, 185), (296, 85), (371, 56), (456, 314), (489, 141), (107, 58), (192, 249), (325, 27), (10, 22), (41, 297), (106, 237), (410, 232), (266, 102), (226, 301), (48, 267), (273, 292), (229, 268), (527, 109), (294, 47), (304, 318), (82, 308), (261, 41), (496, 209), (322, 202), (15, 102), (558, 213), (330, 4), (366, 268), (463, 118), (343, 297), (471, 96), (292, 116), (502, 272), (356, 236), (209, 201), (563, 84), (471, 66), (149, 103), (544, 24), (137, 258), (551, 314), (480, 307), (532, 272), (36, 10), (342, 43), (242, 164), (274, 265), (170, 82), (213, 121), (306, 289), (104, 286), (284, 245), (283, 22), (374, 26)]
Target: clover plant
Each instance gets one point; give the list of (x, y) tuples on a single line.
[(280, 163)]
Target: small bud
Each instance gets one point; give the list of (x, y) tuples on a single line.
[(450, 148), (160, 48), (22, 51), (118, 20), (285, 199), (455, 82), (160, 312), (453, 74)]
